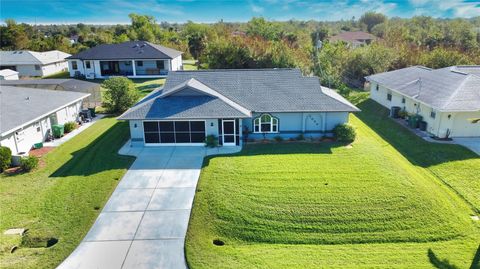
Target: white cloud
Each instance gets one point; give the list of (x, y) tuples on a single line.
[(256, 8)]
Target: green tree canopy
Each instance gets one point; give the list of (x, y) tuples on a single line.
[(120, 94)]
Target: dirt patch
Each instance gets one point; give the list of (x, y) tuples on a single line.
[(40, 152)]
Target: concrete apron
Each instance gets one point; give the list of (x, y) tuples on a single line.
[(144, 223)]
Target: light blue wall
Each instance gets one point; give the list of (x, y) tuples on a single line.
[(314, 124)]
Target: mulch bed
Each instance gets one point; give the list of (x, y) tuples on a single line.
[(40, 152)]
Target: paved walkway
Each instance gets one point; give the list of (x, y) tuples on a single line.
[(58, 141), (144, 223), (473, 143)]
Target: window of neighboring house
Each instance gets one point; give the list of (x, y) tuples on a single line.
[(389, 96), (433, 114), (87, 64), (161, 65), (37, 67), (74, 65), (265, 124), (403, 100), (139, 63)]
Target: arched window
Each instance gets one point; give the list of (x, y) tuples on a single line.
[(265, 124)]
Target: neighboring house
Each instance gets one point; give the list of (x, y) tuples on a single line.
[(72, 85), (27, 115), (231, 104), (34, 64), (7, 74), (134, 59), (354, 39), (448, 99)]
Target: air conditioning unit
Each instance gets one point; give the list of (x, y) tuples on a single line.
[(90, 76)]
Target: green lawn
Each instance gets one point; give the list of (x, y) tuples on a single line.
[(63, 198), (324, 205), (63, 74)]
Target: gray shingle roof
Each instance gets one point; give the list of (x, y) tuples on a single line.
[(127, 50), (444, 89), (19, 106), (21, 57), (256, 90)]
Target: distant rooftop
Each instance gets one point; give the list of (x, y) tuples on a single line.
[(127, 50), (352, 36), (454, 88), (19, 57)]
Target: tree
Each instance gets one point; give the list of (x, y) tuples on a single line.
[(120, 94), (143, 27), (196, 35), (372, 18), (441, 57), (261, 27)]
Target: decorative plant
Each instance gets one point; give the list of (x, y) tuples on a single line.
[(28, 163), (69, 126), (211, 141), (5, 158), (278, 139), (344, 133)]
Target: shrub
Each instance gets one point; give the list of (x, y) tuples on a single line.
[(120, 94), (344, 133), (300, 137), (278, 139), (211, 141), (5, 158), (69, 126), (28, 163)]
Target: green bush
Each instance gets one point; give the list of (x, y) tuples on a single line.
[(5, 158), (28, 163), (69, 126), (300, 137), (278, 139), (211, 141), (120, 94), (344, 133)]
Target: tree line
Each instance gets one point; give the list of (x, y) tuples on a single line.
[(260, 43)]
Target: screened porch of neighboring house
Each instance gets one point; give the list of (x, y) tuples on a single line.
[(134, 68)]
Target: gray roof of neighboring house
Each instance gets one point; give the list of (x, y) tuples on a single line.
[(127, 50), (20, 106), (352, 36), (447, 89), (23, 57), (73, 85), (245, 91)]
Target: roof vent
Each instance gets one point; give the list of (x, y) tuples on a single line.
[(27, 98), (143, 45)]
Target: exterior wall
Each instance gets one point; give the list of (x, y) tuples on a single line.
[(95, 71), (136, 130), (9, 142), (9, 77), (28, 71), (457, 124), (311, 124), (53, 68), (69, 113), (177, 63)]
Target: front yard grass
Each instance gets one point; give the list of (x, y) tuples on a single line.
[(324, 205), (63, 197)]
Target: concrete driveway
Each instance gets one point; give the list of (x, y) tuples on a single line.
[(473, 143), (144, 223)]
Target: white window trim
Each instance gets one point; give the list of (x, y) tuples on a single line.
[(259, 118)]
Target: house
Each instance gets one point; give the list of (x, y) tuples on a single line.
[(8, 74), (234, 105), (133, 59), (27, 115), (448, 99), (354, 39), (34, 64), (73, 85)]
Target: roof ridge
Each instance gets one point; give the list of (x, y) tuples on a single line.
[(450, 99), (233, 70)]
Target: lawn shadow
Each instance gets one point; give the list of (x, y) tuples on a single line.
[(99, 155), (438, 263), (476, 260), (414, 148)]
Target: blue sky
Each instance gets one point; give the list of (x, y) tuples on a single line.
[(116, 11)]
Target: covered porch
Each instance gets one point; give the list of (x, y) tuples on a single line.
[(135, 68)]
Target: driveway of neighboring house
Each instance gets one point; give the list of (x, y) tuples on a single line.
[(473, 143), (144, 223)]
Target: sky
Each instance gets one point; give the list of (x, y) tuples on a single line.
[(116, 11)]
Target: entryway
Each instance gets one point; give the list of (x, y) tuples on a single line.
[(229, 131)]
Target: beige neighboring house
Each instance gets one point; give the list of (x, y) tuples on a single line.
[(448, 99), (354, 39), (8, 74), (34, 64)]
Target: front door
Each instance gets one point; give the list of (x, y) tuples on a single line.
[(228, 127)]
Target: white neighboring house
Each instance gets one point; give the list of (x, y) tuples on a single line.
[(133, 59), (7, 74), (34, 64), (448, 99), (27, 115)]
